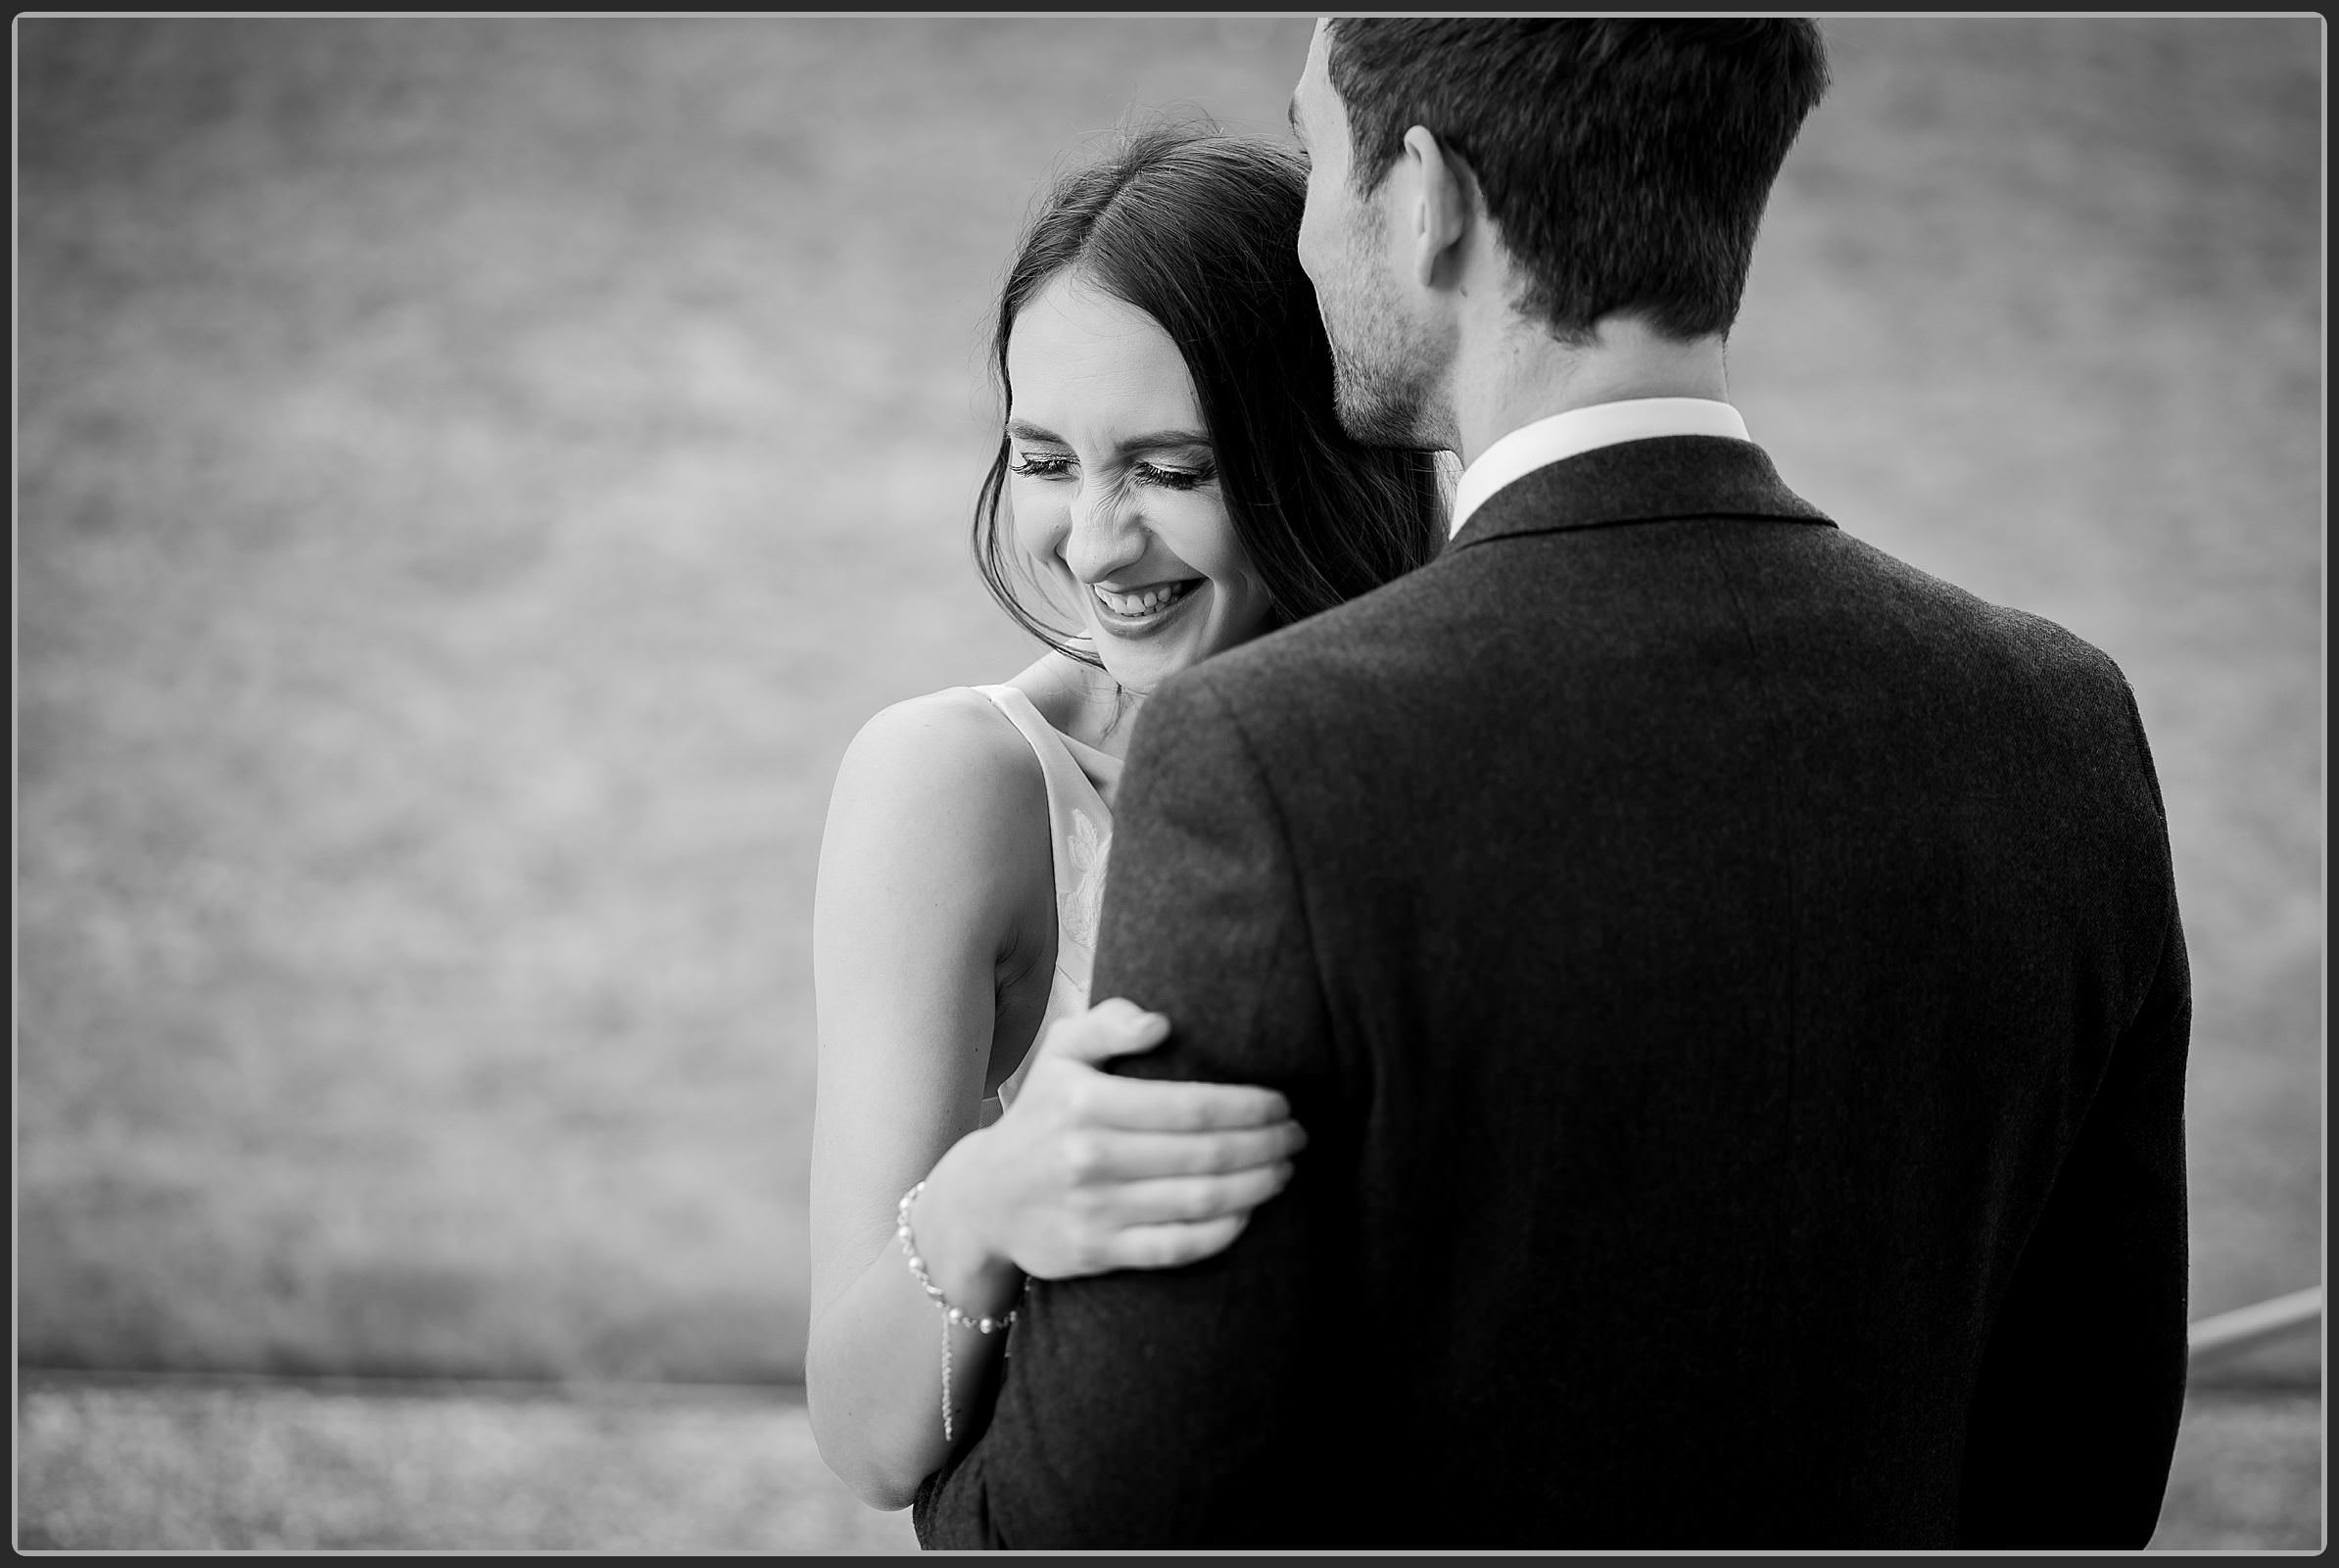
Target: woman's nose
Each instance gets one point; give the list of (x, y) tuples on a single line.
[(1103, 534)]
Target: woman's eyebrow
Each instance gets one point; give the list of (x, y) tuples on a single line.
[(1151, 441)]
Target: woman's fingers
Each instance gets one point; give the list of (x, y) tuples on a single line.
[(1192, 1200), (1111, 1155), (1136, 1173), (1160, 1105), (1115, 1027), (1168, 1246)]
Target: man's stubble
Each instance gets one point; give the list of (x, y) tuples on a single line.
[(1384, 367)]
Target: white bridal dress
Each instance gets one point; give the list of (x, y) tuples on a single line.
[(1080, 830)]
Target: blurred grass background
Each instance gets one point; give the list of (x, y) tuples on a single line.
[(223, 1465), (474, 475)]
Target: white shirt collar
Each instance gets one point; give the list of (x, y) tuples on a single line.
[(1579, 430)]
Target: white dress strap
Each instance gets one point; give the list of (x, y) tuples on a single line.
[(1080, 830)]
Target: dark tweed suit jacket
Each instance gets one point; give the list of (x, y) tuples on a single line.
[(1732, 985)]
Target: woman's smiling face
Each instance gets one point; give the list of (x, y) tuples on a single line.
[(1115, 487)]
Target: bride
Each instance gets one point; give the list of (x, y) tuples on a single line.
[(1170, 462)]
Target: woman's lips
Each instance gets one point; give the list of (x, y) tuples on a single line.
[(1133, 614)]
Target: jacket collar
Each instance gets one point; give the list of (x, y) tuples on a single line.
[(1660, 478)]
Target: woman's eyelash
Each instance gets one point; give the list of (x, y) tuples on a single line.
[(1174, 478), (1036, 466)]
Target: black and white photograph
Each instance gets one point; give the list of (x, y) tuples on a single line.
[(867, 782)]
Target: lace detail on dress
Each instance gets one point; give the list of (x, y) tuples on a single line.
[(1080, 832), (1078, 910)]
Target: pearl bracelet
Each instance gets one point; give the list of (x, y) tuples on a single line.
[(950, 1314)]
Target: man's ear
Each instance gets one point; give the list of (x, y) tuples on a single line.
[(1445, 206)]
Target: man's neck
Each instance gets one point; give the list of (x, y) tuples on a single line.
[(1525, 375)]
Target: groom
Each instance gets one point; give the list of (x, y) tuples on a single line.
[(1732, 981)]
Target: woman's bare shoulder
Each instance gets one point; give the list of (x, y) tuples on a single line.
[(955, 737), (947, 775)]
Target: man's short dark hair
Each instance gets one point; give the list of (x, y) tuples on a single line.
[(1624, 160)]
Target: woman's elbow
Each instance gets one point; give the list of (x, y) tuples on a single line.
[(864, 1474)]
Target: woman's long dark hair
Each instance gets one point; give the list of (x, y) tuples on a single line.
[(1200, 230)]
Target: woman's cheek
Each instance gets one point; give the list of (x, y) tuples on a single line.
[(1220, 557), (1041, 521)]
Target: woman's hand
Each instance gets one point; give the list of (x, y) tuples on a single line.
[(1087, 1172)]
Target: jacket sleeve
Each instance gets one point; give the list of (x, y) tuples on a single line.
[(2073, 1420), (1151, 1409)]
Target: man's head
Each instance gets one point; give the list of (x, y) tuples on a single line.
[(1622, 165)]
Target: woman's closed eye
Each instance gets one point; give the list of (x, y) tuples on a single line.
[(1041, 466), (1174, 478), (1059, 466)]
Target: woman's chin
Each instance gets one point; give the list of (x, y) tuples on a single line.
[(1141, 657), (1138, 668), (1137, 671)]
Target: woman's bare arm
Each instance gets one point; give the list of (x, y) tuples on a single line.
[(936, 856), (930, 849)]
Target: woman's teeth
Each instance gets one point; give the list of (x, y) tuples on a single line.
[(1145, 601)]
